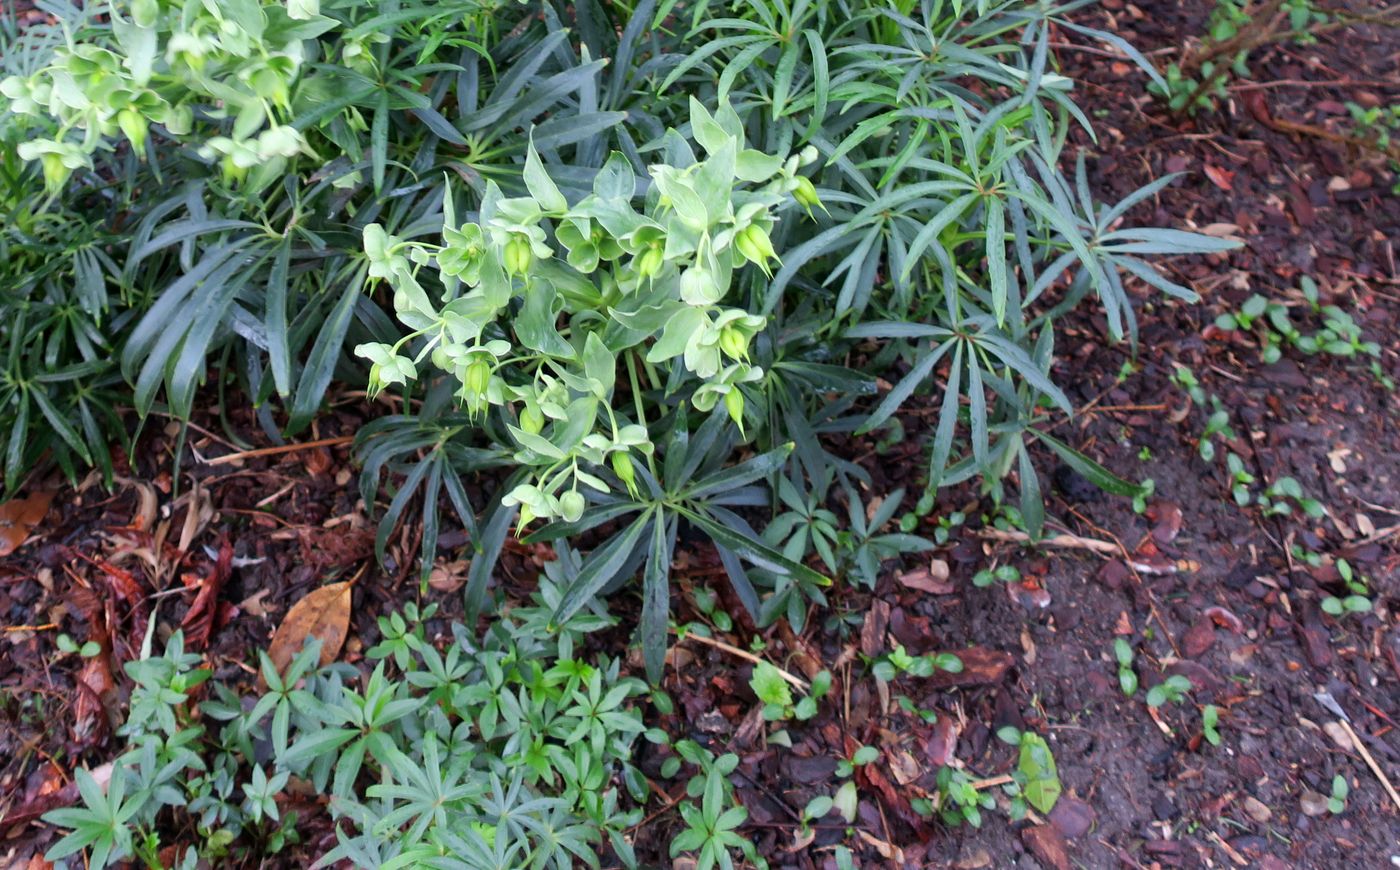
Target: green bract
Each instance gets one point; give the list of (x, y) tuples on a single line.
[(643, 283)]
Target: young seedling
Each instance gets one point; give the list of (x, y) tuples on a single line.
[(1145, 491), (1275, 500), (1337, 803), (1210, 720), (861, 757), (707, 602), (988, 576), (1127, 677), (68, 646), (900, 662), (772, 689), (1357, 601), (1170, 690), (1240, 479), (1036, 778)]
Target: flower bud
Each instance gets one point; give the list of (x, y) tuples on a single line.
[(807, 155), (134, 128), (733, 342), (531, 420), (806, 194), (477, 377), (622, 467), (698, 286), (753, 244), (518, 256), (649, 262), (571, 505), (734, 404)]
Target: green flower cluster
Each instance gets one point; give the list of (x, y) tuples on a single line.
[(541, 337), (234, 59)]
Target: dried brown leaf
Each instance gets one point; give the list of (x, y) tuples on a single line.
[(323, 614), (19, 516)]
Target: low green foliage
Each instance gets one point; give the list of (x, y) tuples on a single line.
[(510, 751)]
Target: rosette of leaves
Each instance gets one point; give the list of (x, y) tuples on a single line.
[(591, 329)]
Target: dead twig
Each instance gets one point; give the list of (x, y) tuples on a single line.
[(275, 451), (743, 654), (1064, 541)]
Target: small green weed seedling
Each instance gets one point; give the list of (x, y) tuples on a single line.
[(1358, 601), (711, 826), (1275, 500), (1210, 724), (1187, 381), (1270, 322), (1217, 424), (1171, 690), (958, 799), (1001, 573), (1146, 488), (1127, 677), (68, 646), (861, 757), (1337, 803), (771, 687), (1240, 479), (707, 602), (900, 662), (1036, 780)]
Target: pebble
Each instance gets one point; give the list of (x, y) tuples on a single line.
[(1256, 810)]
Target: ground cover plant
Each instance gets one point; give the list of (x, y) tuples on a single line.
[(624, 284)]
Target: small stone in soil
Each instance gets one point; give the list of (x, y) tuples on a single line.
[(1072, 817), (1255, 809), (1313, 803)]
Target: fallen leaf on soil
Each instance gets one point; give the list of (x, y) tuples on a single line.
[(1166, 517), (449, 576), (981, 667), (1224, 619), (203, 616), (974, 858), (1222, 231), (95, 685), (932, 579), (1315, 642), (1199, 638), (886, 850), (253, 605), (323, 614), (1221, 178), (19, 516), (941, 745), (872, 631), (1046, 844), (904, 767)]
